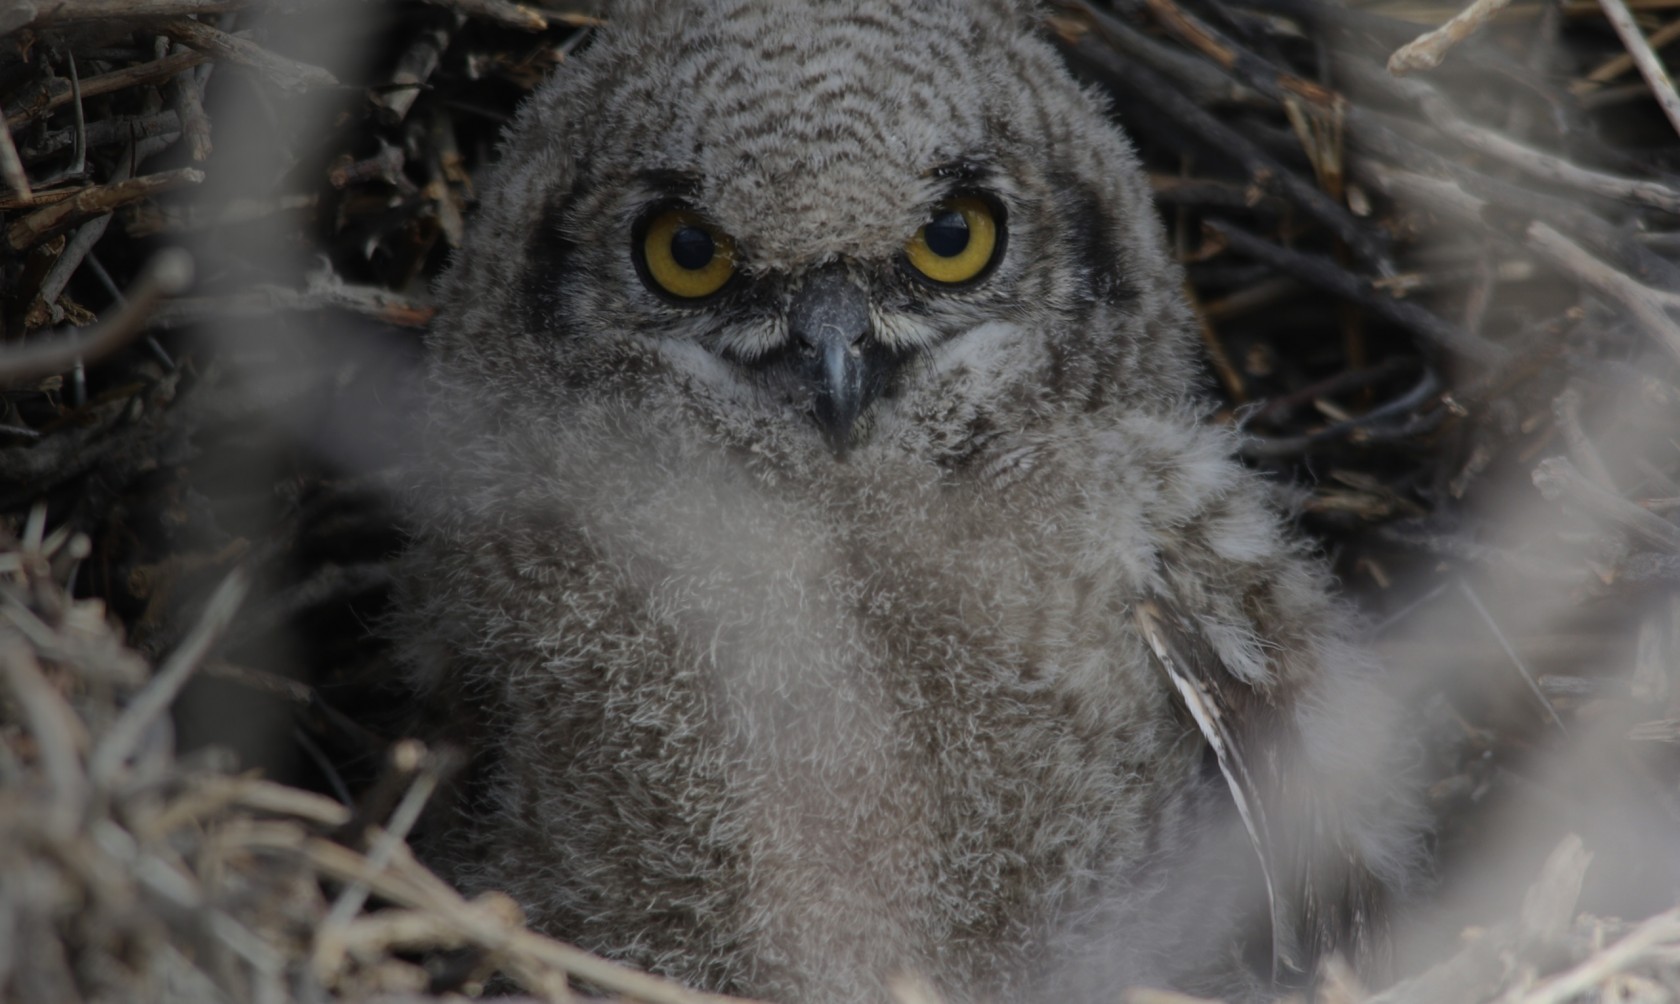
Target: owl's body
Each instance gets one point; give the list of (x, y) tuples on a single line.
[(801, 628)]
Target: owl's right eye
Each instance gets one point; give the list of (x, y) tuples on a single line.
[(681, 255)]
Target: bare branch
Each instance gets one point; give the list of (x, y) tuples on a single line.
[(95, 201), (73, 11), (1427, 50), (288, 74), (1650, 65)]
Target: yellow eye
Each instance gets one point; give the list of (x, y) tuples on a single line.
[(957, 243), (684, 256)]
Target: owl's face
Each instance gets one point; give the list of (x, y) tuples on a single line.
[(845, 227)]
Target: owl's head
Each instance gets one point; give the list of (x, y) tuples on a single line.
[(884, 225)]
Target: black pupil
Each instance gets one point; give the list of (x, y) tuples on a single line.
[(692, 248), (946, 234)]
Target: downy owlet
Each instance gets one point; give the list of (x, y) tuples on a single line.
[(820, 549)]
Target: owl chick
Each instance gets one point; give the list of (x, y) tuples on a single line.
[(821, 553)]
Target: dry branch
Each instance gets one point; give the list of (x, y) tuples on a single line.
[(288, 74), (1205, 133), (323, 293), (11, 166), (1325, 274), (1234, 59), (1659, 933), (59, 93), (1648, 305), (1650, 66), (1427, 50), (45, 12), (505, 12), (96, 201), (1621, 64), (1557, 478), (1542, 164), (169, 273), (116, 129)]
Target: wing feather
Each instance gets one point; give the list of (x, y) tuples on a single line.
[(1205, 690)]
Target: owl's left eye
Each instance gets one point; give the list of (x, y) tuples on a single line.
[(959, 242), (681, 255)]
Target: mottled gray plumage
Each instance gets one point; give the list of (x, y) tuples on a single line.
[(785, 714)]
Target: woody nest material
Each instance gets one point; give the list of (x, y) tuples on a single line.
[(1433, 247)]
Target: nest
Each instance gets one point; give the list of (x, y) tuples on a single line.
[(1433, 250), (132, 873)]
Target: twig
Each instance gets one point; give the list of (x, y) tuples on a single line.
[(1365, 429), (1403, 147), (1650, 66), (120, 740), (37, 199), (386, 166), (288, 74), (169, 272), (1511, 653), (58, 734), (1427, 50), (95, 201), (1547, 166), (76, 250), (407, 885), (1534, 162), (78, 163), (212, 794), (1618, 65), (1557, 478), (148, 221), (87, 235), (518, 15), (1647, 305), (1592, 973), (117, 129), (71, 11), (1250, 68), (1171, 190), (414, 67), (324, 292), (188, 96), (1198, 128), (329, 948), (1277, 408), (11, 166), (503, 12), (1327, 275), (1566, 409), (1199, 81), (1229, 376), (1253, 297), (154, 72), (1550, 904)]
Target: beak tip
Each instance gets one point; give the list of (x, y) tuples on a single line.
[(838, 424)]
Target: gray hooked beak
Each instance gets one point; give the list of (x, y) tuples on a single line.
[(829, 320)]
